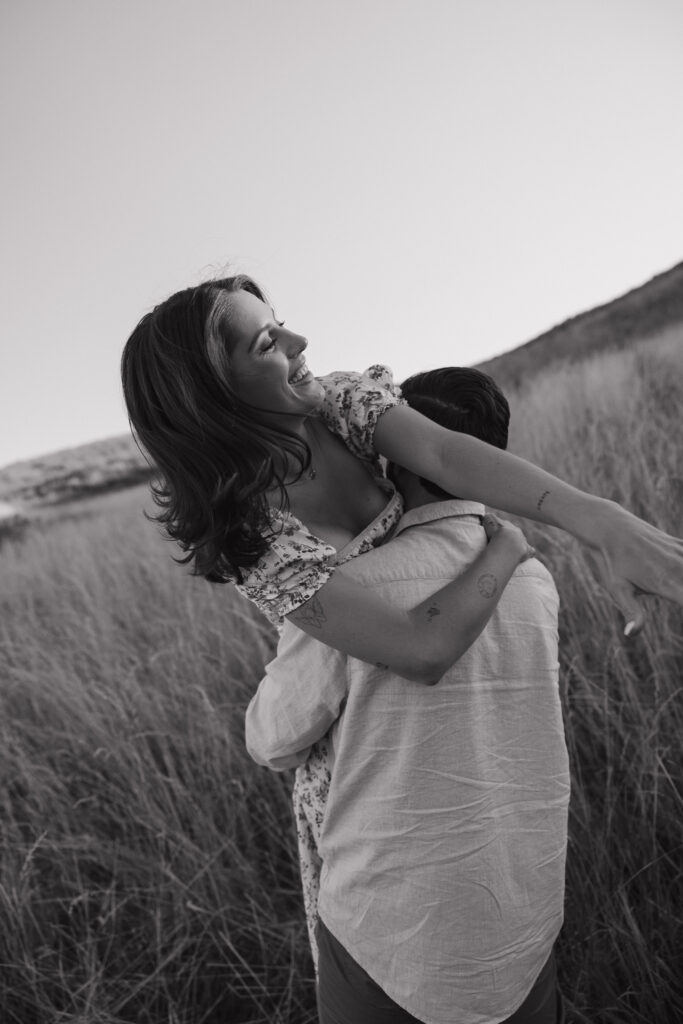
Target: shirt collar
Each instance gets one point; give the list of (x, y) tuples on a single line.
[(453, 508)]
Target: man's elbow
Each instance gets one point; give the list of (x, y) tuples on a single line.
[(269, 756), (265, 746)]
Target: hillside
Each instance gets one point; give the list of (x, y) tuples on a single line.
[(150, 867), (649, 311), (73, 473), (643, 312)]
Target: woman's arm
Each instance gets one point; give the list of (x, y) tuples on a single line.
[(634, 557), (422, 643)]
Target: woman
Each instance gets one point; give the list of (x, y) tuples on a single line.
[(251, 447)]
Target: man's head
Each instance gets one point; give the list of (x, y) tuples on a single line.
[(457, 398)]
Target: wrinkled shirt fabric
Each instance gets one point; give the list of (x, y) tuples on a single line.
[(444, 836)]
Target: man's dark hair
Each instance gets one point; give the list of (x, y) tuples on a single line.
[(460, 398)]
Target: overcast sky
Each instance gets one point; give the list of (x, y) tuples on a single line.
[(416, 182)]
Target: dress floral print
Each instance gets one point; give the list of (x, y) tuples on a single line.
[(297, 565)]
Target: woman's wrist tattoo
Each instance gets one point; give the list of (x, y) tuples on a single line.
[(433, 611), (487, 585), (311, 614), (542, 499)]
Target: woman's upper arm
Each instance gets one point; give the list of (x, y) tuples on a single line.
[(409, 439), (353, 404)]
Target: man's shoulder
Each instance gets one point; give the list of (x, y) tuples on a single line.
[(533, 577), (533, 569)]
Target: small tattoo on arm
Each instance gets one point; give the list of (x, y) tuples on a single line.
[(379, 664), (432, 611), (487, 585), (542, 499), (310, 614)]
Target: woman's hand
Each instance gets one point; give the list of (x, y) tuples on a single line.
[(634, 558), (507, 533)]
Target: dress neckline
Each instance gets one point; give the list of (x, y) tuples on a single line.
[(393, 511)]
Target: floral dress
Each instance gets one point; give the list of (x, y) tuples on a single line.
[(297, 565)]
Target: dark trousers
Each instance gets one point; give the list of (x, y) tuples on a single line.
[(348, 995)]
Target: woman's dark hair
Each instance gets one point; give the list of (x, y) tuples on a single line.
[(215, 458), (460, 398)]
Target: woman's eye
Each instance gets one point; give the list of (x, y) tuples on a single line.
[(269, 346)]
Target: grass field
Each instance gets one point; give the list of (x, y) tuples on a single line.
[(148, 868)]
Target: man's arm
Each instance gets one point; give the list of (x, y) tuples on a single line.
[(298, 699)]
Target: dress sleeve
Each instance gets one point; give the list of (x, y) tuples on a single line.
[(354, 402), (296, 565)]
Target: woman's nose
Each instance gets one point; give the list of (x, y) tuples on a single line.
[(297, 344)]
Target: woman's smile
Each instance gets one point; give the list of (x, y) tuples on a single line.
[(300, 375), (267, 363)]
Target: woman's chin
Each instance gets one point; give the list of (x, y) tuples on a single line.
[(312, 391)]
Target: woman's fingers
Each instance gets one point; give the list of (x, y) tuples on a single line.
[(669, 580), (625, 597), (661, 567), (649, 560), (623, 592)]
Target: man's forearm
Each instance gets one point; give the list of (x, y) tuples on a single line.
[(267, 742), (296, 702)]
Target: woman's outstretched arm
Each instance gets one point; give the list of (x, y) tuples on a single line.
[(423, 642), (634, 556)]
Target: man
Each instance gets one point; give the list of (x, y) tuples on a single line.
[(444, 835)]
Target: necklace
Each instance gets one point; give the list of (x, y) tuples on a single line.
[(312, 472)]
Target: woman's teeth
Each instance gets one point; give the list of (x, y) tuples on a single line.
[(299, 375)]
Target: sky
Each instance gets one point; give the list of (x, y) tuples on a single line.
[(414, 182)]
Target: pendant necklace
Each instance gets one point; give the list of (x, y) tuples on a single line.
[(312, 472)]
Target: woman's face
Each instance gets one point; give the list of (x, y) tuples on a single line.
[(267, 364)]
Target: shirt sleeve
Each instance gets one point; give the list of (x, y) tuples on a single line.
[(354, 402), (295, 566), (297, 701)]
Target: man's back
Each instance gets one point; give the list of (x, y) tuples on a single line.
[(443, 841)]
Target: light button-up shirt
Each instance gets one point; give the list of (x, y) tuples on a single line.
[(444, 837)]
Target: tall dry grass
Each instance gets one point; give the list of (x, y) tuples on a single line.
[(148, 868), (612, 425)]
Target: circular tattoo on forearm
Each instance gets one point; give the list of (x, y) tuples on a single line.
[(487, 585)]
